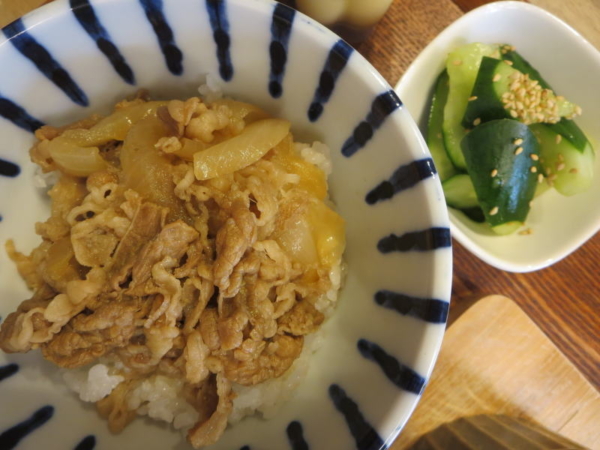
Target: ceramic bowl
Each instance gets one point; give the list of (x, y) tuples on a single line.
[(69, 59), (572, 66)]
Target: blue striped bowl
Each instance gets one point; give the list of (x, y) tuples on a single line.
[(71, 58)]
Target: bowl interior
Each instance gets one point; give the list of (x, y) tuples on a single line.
[(381, 344), (572, 66)]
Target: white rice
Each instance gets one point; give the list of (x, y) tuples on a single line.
[(210, 90), (43, 180), (318, 154), (161, 398), (92, 384)]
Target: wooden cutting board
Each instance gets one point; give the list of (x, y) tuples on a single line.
[(495, 360)]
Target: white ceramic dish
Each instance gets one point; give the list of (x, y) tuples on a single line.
[(382, 342), (572, 66)]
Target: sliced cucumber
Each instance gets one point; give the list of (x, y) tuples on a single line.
[(566, 128), (475, 214), (500, 91), (435, 140), (498, 157), (462, 65), (567, 168), (568, 181), (485, 103), (523, 66), (571, 132), (487, 85), (459, 192)]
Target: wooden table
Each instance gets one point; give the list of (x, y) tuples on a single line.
[(564, 300)]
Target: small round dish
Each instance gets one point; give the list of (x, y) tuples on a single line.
[(559, 224), (71, 58)]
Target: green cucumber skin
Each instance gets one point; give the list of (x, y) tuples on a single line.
[(475, 214), (566, 182), (462, 77), (459, 192), (491, 146), (523, 66), (435, 140), (569, 130), (488, 104)]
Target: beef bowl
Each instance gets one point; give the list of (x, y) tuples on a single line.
[(222, 229)]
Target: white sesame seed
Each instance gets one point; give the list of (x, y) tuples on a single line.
[(518, 141), (540, 178), (494, 173), (560, 167), (533, 169), (496, 77), (560, 156), (493, 211), (477, 121), (513, 113), (534, 157), (573, 170), (519, 150), (506, 61), (473, 97), (457, 62)]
